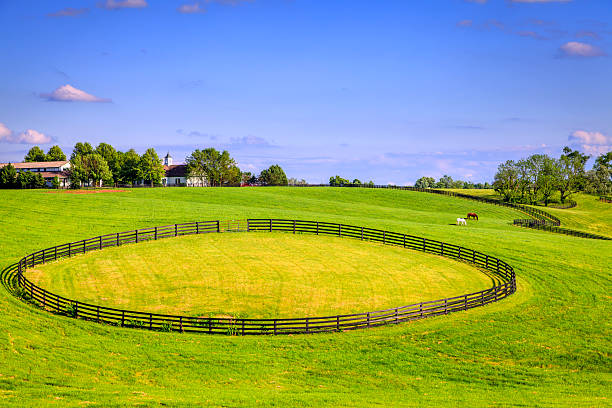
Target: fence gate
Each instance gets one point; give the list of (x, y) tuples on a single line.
[(232, 226)]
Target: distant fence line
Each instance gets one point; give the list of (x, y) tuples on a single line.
[(543, 220), (605, 199), (501, 273)]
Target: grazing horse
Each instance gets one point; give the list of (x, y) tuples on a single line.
[(461, 221), (472, 215)]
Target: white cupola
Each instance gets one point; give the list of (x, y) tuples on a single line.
[(168, 160)]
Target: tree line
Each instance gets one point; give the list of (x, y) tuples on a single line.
[(539, 177), (447, 181), (105, 165)]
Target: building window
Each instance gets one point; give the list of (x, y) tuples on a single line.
[(178, 181)]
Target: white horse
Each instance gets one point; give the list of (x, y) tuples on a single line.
[(461, 221)]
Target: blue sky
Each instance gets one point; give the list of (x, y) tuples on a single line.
[(380, 90)]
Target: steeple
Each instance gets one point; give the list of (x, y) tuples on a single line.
[(168, 160)]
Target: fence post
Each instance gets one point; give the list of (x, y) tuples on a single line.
[(317, 227), (55, 253), (339, 230), (423, 244), (404, 240), (176, 229), (83, 246), (294, 226), (338, 322), (117, 239), (362, 233), (156, 233), (150, 321), (69, 249), (136, 236), (100, 241), (76, 309), (98, 314), (197, 227), (465, 303), (396, 315), (122, 318), (270, 224), (368, 319), (442, 248), (306, 325), (181, 323), (274, 326)]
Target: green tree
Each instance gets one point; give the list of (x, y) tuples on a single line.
[(599, 178), (445, 181), (151, 167), (571, 172), (274, 176), (506, 182), (425, 182), (55, 183), (38, 181), (338, 181), (55, 154), (36, 154), (89, 168), (356, 182), (8, 176), (549, 178), (111, 156), (81, 149), (25, 179), (210, 165), (130, 167)]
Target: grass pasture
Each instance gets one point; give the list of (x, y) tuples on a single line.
[(258, 275), (547, 345)]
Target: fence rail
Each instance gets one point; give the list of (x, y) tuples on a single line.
[(504, 278), (605, 199)]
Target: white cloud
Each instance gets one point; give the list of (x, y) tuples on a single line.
[(194, 8), (30, 136), (4, 131), (68, 93), (119, 4), (579, 49), (465, 23), (594, 143)]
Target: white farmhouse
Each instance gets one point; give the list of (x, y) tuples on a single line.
[(176, 175)]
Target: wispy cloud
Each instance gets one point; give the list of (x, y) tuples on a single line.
[(586, 33), (194, 8), (465, 23), (68, 12), (121, 4), (594, 143), (68, 93), (580, 49), (249, 141), (476, 1), (540, 1), (29, 136)]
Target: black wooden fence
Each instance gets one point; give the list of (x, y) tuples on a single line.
[(605, 199), (502, 274)]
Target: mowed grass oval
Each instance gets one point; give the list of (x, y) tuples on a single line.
[(258, 275)]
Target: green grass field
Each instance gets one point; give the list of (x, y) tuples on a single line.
[(547, 345), (258, 275)]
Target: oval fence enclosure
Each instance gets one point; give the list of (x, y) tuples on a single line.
[(504, 281)]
